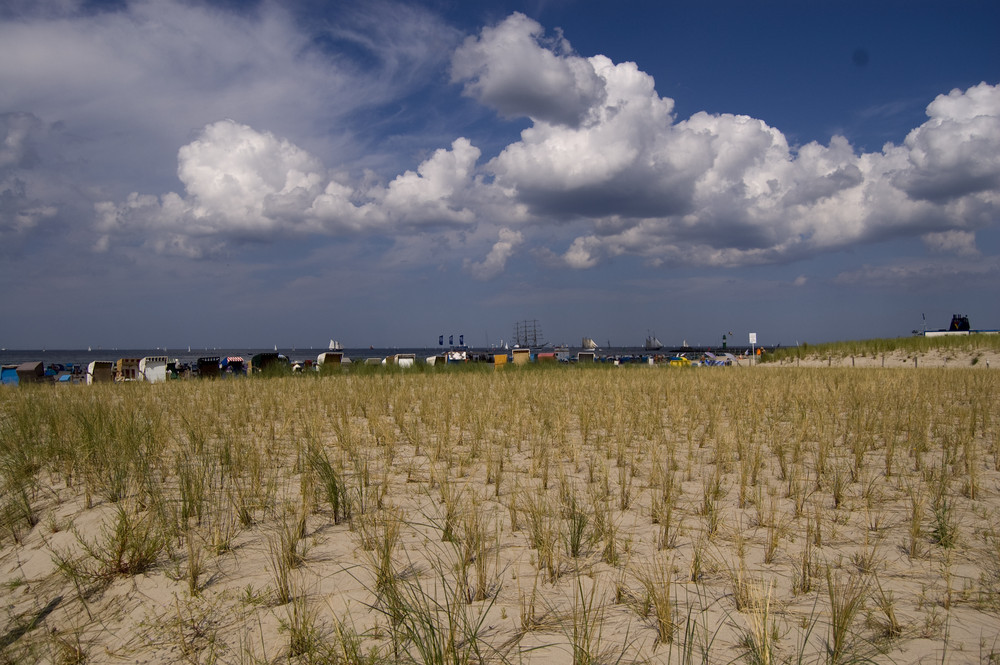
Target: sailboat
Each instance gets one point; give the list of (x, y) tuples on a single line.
[(653, 344), (336, 346), (588, 343)]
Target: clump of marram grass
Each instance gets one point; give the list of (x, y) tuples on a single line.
[(543, 531), (306, 639), (331, 483), (478, 552), (576, 529), (847, 600), (584, 627), (23, 447), (129, 544), (430, 620), (656, 578), (886, 624), (287, 547), (761, 632)]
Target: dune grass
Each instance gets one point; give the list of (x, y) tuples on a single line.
[(807, 515), (909, 346)]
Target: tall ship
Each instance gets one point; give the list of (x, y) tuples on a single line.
[(528, 334), (588, 343), (336, 345), (652, 343)]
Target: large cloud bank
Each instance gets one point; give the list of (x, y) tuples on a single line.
[(604, 169), (728, 189), (244, 184)]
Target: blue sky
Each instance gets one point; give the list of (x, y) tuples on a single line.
[(248, 174)]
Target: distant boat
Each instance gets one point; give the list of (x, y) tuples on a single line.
[(588, 344), (528, 334), (336, 346), (959, 326), (653, 344)]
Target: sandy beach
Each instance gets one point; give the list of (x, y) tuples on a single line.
[(544, 516), (981, 359)]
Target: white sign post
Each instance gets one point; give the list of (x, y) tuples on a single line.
[(753, 350)]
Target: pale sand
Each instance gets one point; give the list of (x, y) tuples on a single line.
[(977, 359), (946, 601)]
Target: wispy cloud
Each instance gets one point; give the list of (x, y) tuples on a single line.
[(923, 274), (496, 260)]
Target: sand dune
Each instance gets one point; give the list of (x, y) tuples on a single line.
[(566, 516)]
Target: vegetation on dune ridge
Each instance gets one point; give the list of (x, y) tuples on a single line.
[(592, 515), (911, 346)]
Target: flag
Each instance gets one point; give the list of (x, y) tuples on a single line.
[(440, 340), (451, 340), (461, 340)]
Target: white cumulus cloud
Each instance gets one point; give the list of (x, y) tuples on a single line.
[(515, 69), (582, 253), (240, 183), (431, 193), (722, 189), (957, 151), (605, 169), (241, 180)]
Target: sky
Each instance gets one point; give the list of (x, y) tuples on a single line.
[(242, 174)]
